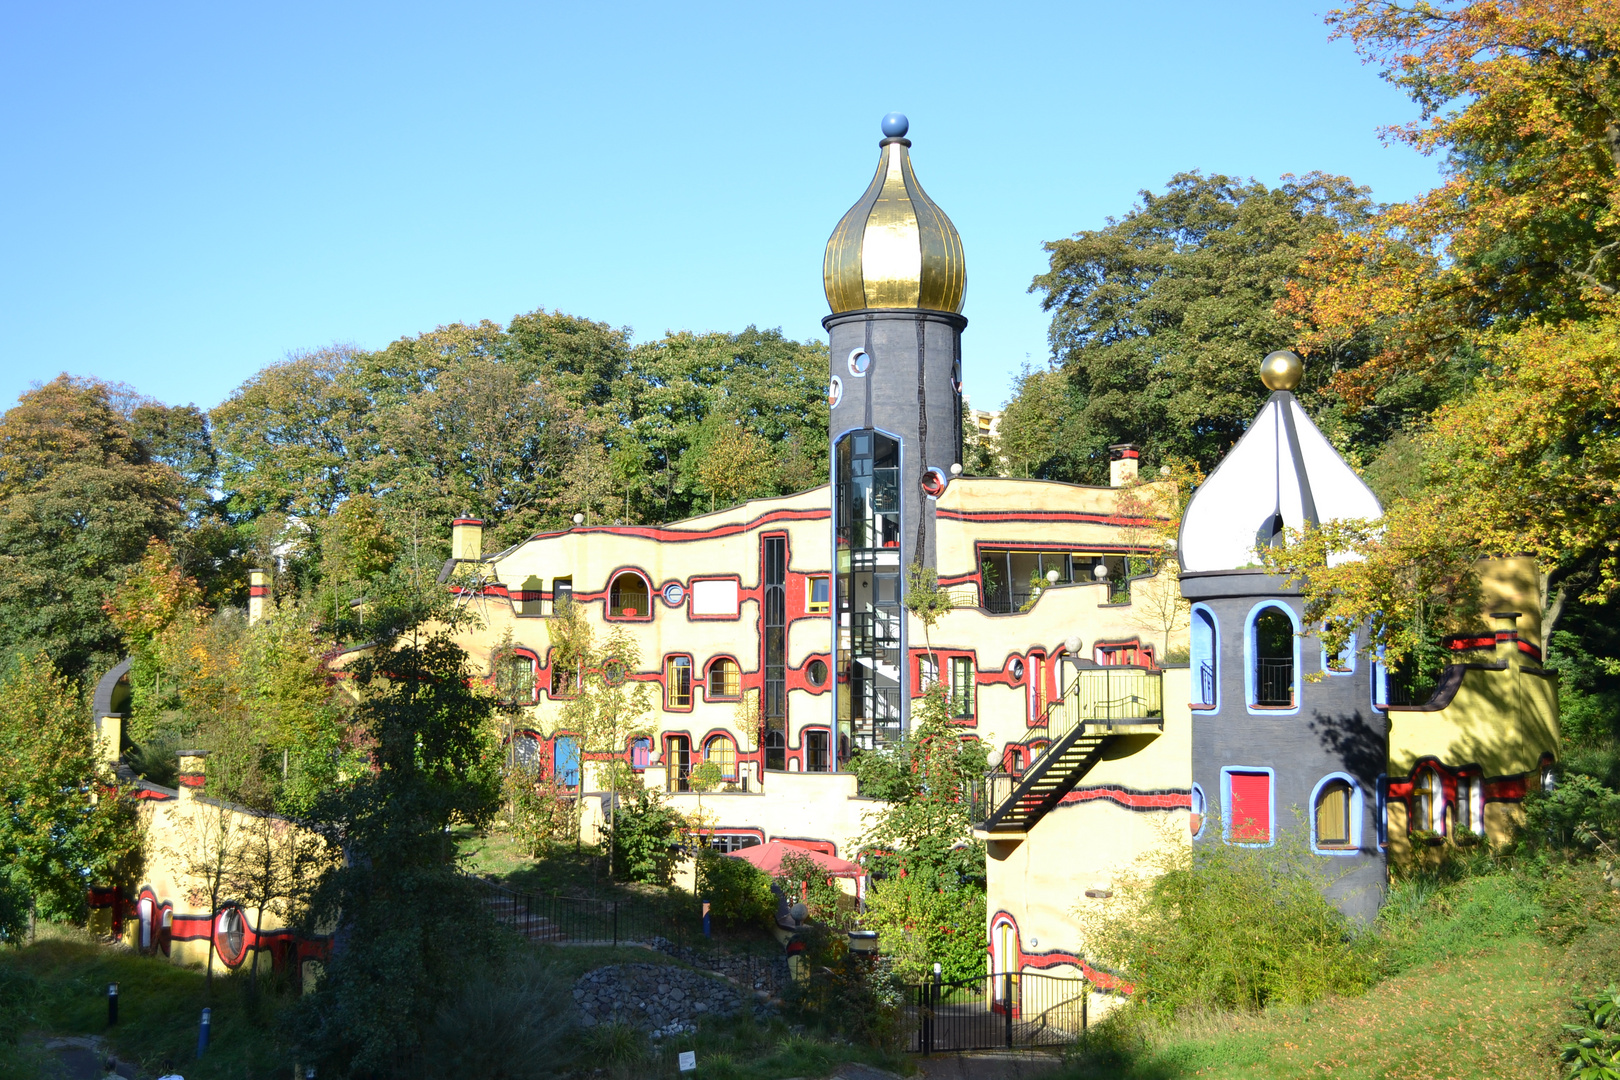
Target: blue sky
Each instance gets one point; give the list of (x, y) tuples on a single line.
[(192, 192)]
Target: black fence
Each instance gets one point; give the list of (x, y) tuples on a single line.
[(1274, 681), (996, 1012), (572, 920)]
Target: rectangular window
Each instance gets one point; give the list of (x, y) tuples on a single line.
[(731, 841), (677, 763), (562, 595), (565, 760), (725, 679), (714, 598), (678, 682), (515, 681), (927, 671), (1469, 804), (817, 599), (564, 680), (1037, 673), (640, 754), (1250, 804), (773, 626), (816, 757), (962, 687)]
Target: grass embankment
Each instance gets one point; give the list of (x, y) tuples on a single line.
[(62, 978), (1480, 976), (160, 1004)]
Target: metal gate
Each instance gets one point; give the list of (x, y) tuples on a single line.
[(994, 1012)]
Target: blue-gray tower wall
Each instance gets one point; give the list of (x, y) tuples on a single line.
[(1333, 729)]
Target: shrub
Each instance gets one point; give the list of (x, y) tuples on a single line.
[(1594, 1050), (1579, 814), (513, 1023), (1226, 927), (738, 892), (802, 878), (541, 810), (644, 829), (853, 995), (922, 921)]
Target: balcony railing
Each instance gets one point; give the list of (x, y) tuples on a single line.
[(1107, 695), (1274, 682), (1206, 683)]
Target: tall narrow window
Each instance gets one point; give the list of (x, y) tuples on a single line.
[(725, 678), (1470, 813), (1333, 815), (816, 751), (870, 665), (1249, 799), (677, 762), (514, 680), (1428, 802), (775, 751), (564, 678), (1202, 655), (562, 595), (773, 627), (1037, 674), (1273, 652), (678, 682), (927, 671), (962, 687)]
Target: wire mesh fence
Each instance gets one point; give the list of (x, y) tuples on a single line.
[(993, 1012)]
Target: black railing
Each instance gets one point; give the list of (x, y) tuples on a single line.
[(1206, 683), (1274, 681), (574, 920), (995, 1012)]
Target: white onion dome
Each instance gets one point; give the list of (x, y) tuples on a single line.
[(1281, 475)]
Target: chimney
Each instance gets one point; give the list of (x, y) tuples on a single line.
[(192, 777), (1506, 625), (1122, 458), (110, 738), (467, 539), (258, 593)]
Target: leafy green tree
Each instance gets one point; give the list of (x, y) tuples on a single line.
[(61, 826), (408, 921), (1160, 318), (645, 836), (927, 903), (79, 499)]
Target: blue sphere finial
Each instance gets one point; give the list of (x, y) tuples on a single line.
[(895, 125)]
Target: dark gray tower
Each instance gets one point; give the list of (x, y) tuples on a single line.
[(895, 279)]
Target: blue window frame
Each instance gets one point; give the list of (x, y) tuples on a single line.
[(565, 760), (1204, 657), (1342, 664), (1324, 787), (1270, 674)]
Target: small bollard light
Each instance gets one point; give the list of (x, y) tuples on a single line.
[(706, 929), (202, 1032), (112, 1004)]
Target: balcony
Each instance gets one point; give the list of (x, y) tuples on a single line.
[(1098, 706), (1274, 682)]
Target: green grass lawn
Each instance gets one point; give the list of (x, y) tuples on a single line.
[(159, 1007), (1489, 1015)]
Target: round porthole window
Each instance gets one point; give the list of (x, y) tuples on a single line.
[(835, 392), (674, 594), (816, 672), (1017, 669), (230, 936), (859, 362), (933, 483)]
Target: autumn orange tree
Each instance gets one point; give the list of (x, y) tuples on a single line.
[(1498, 289)]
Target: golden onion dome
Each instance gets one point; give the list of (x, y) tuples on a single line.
[(895, 248)]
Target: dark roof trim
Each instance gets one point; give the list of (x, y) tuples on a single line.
[(109, 683)]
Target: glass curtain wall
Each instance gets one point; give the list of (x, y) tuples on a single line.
[(775, 652), (870, 562)]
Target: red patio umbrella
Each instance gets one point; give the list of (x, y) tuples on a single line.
[(768, 857)]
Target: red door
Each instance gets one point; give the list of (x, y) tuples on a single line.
[(1251, 806)]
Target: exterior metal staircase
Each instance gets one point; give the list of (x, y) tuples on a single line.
[(1099, 707)]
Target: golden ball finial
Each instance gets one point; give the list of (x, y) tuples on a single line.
[(1281, 370)]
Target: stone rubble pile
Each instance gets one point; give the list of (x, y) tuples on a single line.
[(766, 973), (658, 999)]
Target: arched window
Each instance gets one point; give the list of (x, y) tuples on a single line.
[(1202, 656), (725, 678), (1332, 814), (1428, 802), (627, 596), (565, 760), (640, 753), (526, 753), (1272, 649), (1196, 810), (722, 752)]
